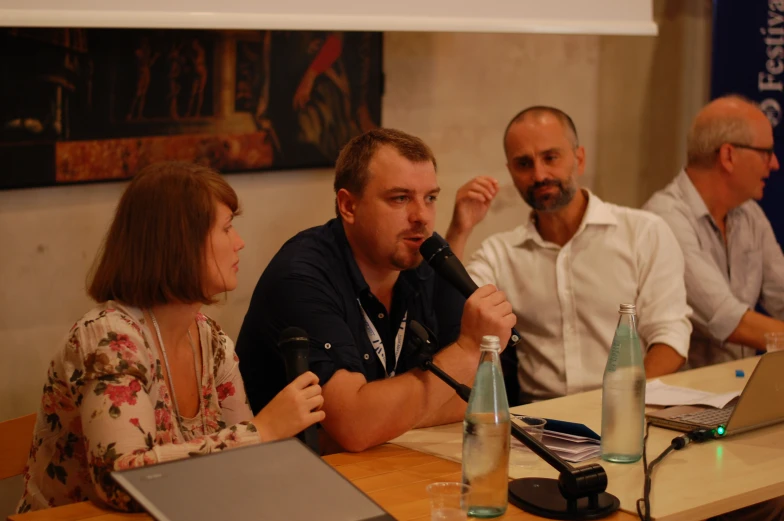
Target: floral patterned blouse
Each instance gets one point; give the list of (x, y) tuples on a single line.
[(106, 406)]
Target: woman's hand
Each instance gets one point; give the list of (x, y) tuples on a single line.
[(293, 409)]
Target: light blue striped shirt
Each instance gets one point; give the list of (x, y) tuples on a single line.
[(723, 281)]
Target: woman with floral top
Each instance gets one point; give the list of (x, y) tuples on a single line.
[(144, 377)]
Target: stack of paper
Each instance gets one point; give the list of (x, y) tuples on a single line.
[(568, 446)]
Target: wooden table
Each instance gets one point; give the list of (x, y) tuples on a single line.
[(701, 481), (395, 477)]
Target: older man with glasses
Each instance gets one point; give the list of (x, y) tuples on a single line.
[(733, 262)]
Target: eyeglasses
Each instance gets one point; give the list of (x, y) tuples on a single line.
[(769, 151)]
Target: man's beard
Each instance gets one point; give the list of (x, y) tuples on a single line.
[(400, 259), (550, 203), (406, 264)]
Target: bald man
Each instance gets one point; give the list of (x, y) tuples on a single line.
[(571, 262), (733, 262)]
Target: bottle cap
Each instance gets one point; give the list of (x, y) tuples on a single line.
[(628, 309), (491, 342)]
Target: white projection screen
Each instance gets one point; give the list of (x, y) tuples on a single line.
[(631, 17)]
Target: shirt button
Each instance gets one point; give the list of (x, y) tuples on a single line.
[(327, 345), (380, 315), (367, 356)]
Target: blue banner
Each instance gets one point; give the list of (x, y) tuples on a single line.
[(748, 59)]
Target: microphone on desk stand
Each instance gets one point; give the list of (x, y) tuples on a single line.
[(578, 493), (294, 346)]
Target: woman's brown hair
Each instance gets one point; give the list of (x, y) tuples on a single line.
[(154, 251)]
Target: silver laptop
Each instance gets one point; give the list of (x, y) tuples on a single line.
[(760, 404), (265, 482)]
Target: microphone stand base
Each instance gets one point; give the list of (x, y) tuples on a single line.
[(542, 497)]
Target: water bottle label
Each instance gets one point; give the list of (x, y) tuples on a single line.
[(639, 388), (615, 352)]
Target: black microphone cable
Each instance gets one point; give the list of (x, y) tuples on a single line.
[(677, 443)]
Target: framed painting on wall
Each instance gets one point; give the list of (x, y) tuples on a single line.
[(86, 105)]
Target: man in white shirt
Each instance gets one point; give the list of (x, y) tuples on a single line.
[(733, 261), (571, 263)]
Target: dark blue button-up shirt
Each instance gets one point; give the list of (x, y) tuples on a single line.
[(314, 283)]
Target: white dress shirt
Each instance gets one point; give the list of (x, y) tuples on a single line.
[(566, 299), (723, 279)]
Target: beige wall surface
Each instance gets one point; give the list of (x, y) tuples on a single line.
[(630, 97)]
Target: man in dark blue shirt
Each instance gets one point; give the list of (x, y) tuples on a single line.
[(354, 284)]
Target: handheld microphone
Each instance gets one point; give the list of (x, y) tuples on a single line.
[(293, 346), (436, 252)]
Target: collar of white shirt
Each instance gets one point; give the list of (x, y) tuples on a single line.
[(598, 213)]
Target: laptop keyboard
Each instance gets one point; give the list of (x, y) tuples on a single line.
[(708, 417)]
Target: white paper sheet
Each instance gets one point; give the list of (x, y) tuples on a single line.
[(658, 393)]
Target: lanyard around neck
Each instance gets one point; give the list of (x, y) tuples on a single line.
[(378, 344)]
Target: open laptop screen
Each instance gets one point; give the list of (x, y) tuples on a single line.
[(760, 404), (280, 480)]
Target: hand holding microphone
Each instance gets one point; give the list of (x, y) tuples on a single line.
[(297, 407), (487, 312)]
